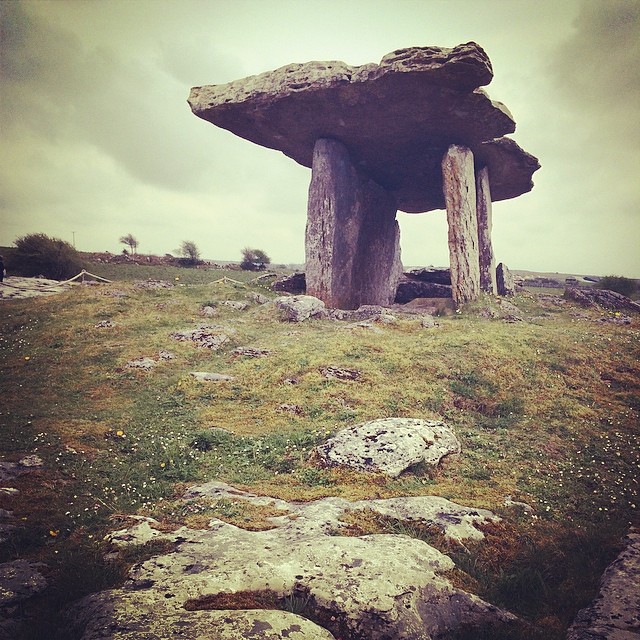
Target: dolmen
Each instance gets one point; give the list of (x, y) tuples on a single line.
[(414, 133)]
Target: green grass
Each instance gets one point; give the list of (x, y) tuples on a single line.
[(546, 409)]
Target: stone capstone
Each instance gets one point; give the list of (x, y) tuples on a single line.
[(397, 118), (408, 290), (370, 587), (389, 445), (615, 613), (295, 283)]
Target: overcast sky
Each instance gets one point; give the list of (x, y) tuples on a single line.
[(98, 140)]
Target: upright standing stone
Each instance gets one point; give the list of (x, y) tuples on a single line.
[(459, 187), (485, 247), (505, 282), (352, 237)]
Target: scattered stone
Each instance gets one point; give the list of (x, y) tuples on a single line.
[(105, 324), (205, 376), (18, 287), (505, 283), (616, 319), (259, 298), (290, 381), (390, 445), (527, 508), (295, 283), (251, 352), (166, 355), (614, 614), (153, 284), (363, 325), (294, 409), (31, 462), (146, 364), (236, 305), (428, 322), (435, 275), (372, 586), (207, 336), (9, 491), (410, 289), (208, 311), (11, 470), (20, 580), (299, 308), (337, 373), (601, 297)]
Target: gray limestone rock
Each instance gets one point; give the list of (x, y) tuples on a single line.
[(352, 237), (371, 587), (295, 283), (389, 445), (208, 336), (504, 280), (615, 613), (206, 376), (601, 297), (19, 580), (409, 289), (459, 185), (299, 308), (397, 118)]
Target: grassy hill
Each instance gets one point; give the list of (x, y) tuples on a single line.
[(546, 409)]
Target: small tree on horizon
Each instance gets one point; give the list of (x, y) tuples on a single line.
[(131, 242), (189, 251), (254, 259)]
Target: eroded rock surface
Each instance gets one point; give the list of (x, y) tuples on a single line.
[(601, 297), (369, 587), (397, 118), (299, 308), (615, 613), (390, 445)]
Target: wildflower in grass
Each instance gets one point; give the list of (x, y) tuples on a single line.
[(53, 533), (27, 357), (120, 433)]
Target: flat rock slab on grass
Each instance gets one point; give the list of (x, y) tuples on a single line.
[(209, 337), (205, 376), (390, 445), (369, 587), (615, 613), (17, 287), (299, 308)]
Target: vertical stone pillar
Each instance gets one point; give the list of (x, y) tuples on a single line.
[(352, 237), (459, 187), (485, 246)]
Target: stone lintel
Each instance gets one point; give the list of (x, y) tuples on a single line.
[(352, 237), (485, 246), (459, 187)]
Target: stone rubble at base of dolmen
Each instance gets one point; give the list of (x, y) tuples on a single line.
[(369, 587)]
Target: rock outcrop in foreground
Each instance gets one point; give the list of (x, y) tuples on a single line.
[(371, 587)]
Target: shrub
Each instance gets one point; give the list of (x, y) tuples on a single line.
[(37, 254), (619, 284), (254, 259)]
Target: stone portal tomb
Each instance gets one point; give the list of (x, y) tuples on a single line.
[(414, 133)]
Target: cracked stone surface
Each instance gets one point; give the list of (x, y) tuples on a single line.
[(369, 587), (390, 445), (397, 118), (615, 613)]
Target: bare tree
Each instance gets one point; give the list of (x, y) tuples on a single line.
[(131, 242)]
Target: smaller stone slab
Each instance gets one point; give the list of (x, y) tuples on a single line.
[(390, 445), (299, 308), (614, 614), (206, 376)]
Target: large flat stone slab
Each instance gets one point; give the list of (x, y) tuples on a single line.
[(371, 587), (396, 118)]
